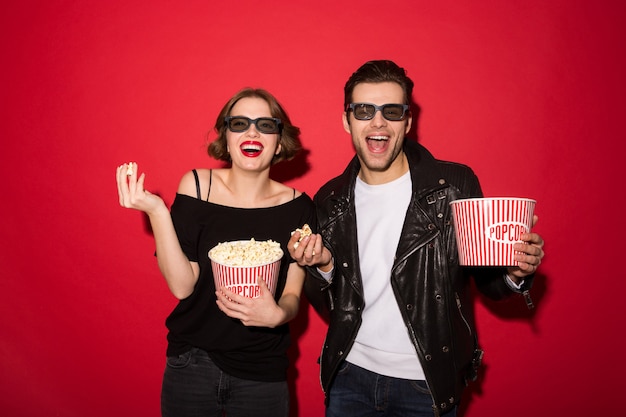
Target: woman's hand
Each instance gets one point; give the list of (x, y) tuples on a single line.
[(131, 192), (261, 311)]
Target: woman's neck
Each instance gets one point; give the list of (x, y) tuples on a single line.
[(248, 189)]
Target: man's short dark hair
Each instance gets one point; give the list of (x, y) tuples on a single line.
[(379, 72)]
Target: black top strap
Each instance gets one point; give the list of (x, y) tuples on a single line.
[(210, 181), (195, 174)]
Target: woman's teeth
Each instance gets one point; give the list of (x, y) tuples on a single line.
[(251, 148)]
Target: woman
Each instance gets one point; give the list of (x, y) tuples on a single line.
[(227, 354)]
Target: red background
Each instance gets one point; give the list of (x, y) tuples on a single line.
[(530, 94)]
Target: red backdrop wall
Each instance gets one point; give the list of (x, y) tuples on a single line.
[(530, 94)]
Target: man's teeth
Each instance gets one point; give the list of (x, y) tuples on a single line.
[(378, 137)]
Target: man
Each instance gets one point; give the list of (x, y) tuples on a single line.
[(384, 267)]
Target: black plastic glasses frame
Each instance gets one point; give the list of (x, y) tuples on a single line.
[(371, 110), (263, 124)]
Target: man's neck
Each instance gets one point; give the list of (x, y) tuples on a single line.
[(398, 168)]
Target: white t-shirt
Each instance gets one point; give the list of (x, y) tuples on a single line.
[(382, 344)]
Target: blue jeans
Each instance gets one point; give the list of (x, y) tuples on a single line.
[(357, 392), (194, 386)]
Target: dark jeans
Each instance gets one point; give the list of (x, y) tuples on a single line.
[(357, 392), (193, 386)]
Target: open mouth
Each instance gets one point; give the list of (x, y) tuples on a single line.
[(251, 148), (377, 143)]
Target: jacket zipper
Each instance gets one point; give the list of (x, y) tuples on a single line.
[(458, 306)]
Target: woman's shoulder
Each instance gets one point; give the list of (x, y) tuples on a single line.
[(187, 184), (286, 192), (196, 182)]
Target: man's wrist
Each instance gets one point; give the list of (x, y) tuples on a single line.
[(327, 267), (326, 271), (513, 283)]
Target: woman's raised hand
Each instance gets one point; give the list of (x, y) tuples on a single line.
[(131, 192)]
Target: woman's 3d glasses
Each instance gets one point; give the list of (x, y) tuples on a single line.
[(263, 124)]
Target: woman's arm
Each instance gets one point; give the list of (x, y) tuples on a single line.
[(180, 274)]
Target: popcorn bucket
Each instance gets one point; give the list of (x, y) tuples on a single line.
[(242, 280), (487, 228)]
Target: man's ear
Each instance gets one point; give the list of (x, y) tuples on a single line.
[(346, 122), (409, 122)]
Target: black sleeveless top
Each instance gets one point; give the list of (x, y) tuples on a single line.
[(254, 353)]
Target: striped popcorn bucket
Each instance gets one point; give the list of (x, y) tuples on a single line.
[(242, 280), (487, 228)]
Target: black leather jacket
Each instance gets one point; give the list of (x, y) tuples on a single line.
[(431, 289)]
